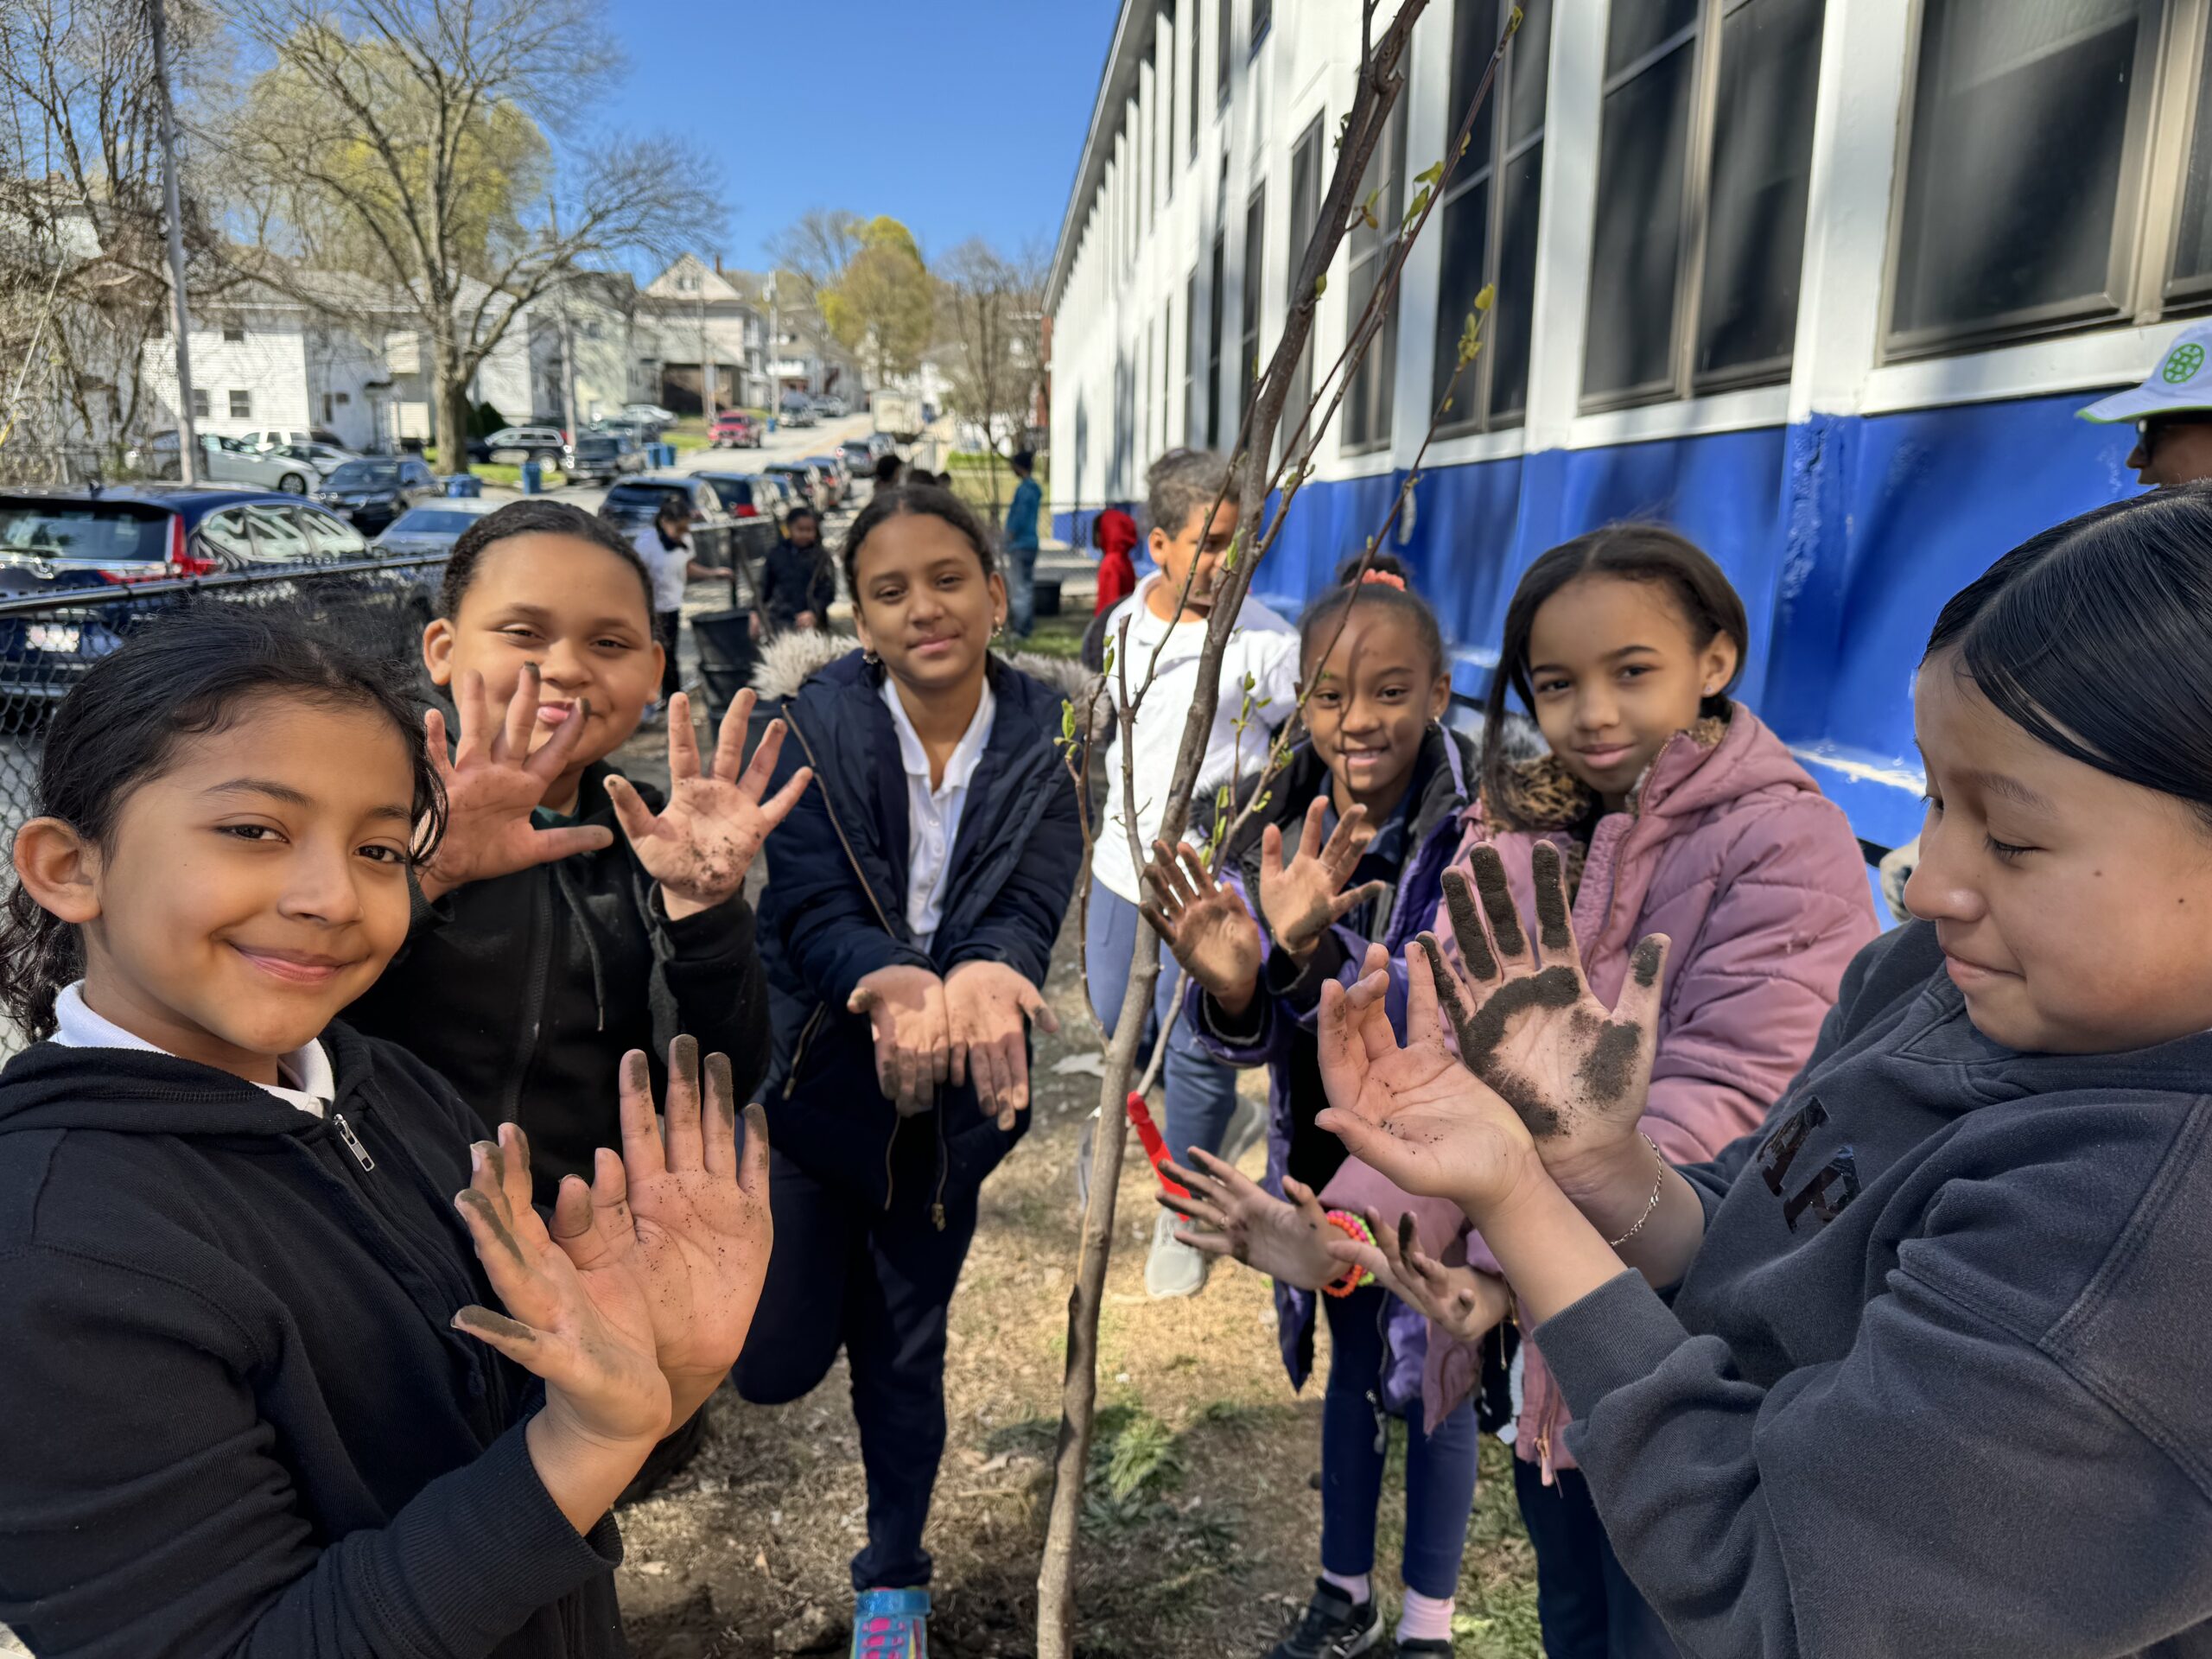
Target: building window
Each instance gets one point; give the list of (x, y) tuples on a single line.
[(234, 332), (241, 405), (1220, 53), (344, 398), (1248, 351), (1488, 229), (1305, 210), (1213, 338), (1193, 352), (2025, 179), (1198, 61), (1263, 13), (1681, 299), (200, 405), (328, 404), (1367, 399)]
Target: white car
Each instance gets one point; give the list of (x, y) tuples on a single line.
[(538, 442), (325, 458), (278, 437), (652, 412)]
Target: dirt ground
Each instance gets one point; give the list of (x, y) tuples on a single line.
[(1203, 1518)]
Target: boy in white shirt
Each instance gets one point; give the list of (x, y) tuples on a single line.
[(1190, 536)]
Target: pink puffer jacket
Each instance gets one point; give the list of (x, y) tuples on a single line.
[(1730, 849)]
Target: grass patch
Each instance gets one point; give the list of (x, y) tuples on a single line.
[(1057, 636)]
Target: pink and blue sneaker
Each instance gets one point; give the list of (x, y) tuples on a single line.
[(891, 1624)]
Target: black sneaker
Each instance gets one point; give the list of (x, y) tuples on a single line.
[(1331, 1628)]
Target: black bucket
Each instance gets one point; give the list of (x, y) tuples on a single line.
[(727, 656)]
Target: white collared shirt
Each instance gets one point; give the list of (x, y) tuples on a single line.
[(933, 815), (309, 1082)]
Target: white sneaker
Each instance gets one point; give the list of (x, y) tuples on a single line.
[(1173, 1268)]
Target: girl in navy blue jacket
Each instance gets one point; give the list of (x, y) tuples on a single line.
[(907, 923)]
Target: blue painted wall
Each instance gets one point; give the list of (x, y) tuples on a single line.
[(1844, 535)]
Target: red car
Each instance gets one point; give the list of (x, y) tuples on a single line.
[(734, 430)]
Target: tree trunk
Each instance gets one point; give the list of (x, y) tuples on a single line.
[(455, 414)]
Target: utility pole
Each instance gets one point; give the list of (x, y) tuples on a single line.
[(775, 346), (187, 434), (705, 358), (567, 342)]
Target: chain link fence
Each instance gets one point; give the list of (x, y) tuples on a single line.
[(49, 640)]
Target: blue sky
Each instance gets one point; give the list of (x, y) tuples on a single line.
[(961, 119)]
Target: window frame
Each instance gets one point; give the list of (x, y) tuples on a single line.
[(2139, 268), (1683, 379), (1383, 350), (1220, 53), (1253, 275), (241, 405), (1256, 31), (1197, 9), (1475, 388)]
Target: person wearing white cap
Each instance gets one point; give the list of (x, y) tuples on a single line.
[(2171, 410)]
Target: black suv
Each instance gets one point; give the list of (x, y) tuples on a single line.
[(374, 492)]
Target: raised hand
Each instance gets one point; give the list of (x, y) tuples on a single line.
[(492, 780), (586, 1331), (1463, 1303), (913, 1038), (987, 1007), (1527, 1023), (1301, 896), (700, 844), (1239, 1219), (698, 1208), (1413, 1113), (1204, 924)]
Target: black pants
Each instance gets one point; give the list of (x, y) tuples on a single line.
[(846, 1273), (1588, 1606), (668, 628)]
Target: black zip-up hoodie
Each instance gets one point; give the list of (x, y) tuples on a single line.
[(525, 991), (233, 1417)]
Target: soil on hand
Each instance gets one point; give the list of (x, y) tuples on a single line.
[(1202, 1523)]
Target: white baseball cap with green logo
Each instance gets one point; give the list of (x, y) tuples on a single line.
[(2181, 381)]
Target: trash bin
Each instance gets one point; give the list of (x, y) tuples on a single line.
[(464, 484), (533, 477), (1046, 592), (727, 656)]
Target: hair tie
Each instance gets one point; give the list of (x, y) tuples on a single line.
[(1387, 578)]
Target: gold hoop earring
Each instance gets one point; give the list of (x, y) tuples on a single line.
[(871, 659)]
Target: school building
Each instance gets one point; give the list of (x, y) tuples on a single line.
[(1819, 283)]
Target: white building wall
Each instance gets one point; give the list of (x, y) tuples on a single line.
[(267, 365)]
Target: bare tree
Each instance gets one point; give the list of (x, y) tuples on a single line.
[(406, 140), (994, 308), (816, 247), (84, 278), (1381, 82)]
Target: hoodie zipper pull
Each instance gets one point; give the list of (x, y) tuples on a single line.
[(352, 1142)]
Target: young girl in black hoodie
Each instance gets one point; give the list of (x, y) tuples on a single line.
[(1919, 1366), (255, 1400)]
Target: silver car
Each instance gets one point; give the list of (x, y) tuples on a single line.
[(226, 461), (424, 531)]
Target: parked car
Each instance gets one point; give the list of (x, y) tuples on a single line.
[(796, 409), (837, 482), (225, 460), (652, 412), (374, 492), (601, 457), (276, 437), (101, 539), (635, 502), (806, 477), (744, 495), (733, 430), (324, 458), (634, 432), (859, 456), (831, 407), (515, 444), (786, 492), (427, 531)]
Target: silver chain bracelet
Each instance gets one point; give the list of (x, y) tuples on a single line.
[(1650, 1203)]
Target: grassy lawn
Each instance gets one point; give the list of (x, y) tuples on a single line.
[(975, 474), (686, 435), (1057, 636), (491, 472)]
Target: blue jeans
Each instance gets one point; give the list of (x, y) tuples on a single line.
[(1201, 1090), (1588, 1607), (1439, 1467), (1021, 591)]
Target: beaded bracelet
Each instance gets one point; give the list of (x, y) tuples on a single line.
[(1354, 1277)]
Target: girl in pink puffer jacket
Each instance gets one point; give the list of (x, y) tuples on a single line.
[(1676, 811)]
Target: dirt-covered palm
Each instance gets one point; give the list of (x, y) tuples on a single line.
[(1203, 923), (586, 1331), (1526, 1020), (493, 781), (1238, 1217), (700, 844), (1303, 896), (698, 1205), (1411, 1111)]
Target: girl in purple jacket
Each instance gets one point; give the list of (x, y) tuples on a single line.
[(1370, 811), (1670, 809)]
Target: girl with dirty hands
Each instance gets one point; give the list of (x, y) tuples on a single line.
[(907, 925), (1344, 845), (1831, 1384), (298, 1367)]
